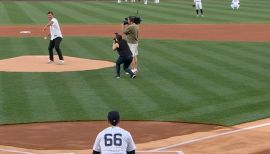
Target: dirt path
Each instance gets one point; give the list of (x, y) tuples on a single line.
[(216, 32)]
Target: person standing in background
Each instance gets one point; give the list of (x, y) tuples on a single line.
[(145, 2), (198, 6), (235, 4)]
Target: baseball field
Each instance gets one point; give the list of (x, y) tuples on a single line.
[(201, 79)]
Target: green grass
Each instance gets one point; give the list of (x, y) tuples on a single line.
[(192, 81), (180, 11), (224, 83)]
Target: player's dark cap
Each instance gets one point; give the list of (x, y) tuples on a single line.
[(113, 117)]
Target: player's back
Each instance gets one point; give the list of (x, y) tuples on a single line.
[(114, 140)]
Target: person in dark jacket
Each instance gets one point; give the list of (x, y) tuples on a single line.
[(125, 55)]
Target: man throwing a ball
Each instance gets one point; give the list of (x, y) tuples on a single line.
[(56, 38)]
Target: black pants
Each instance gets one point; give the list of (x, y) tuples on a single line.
[(126, 61), (55, 44)]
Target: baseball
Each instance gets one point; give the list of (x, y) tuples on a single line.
[(45, 38)]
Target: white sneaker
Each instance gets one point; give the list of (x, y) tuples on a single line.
[(61, 62), (50, 62)]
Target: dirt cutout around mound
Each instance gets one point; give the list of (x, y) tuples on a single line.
[(39, 64)]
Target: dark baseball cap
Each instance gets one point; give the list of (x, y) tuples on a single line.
[(113, 117)]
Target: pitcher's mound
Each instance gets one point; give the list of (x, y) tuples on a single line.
[(39, 64)]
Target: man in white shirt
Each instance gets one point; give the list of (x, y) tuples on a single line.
[(157, 1), (235, 4), (114, 140), (198, 6), (56, 38), (145, 2)]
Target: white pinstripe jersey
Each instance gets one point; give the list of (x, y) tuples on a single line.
[(197, 1), (114, 140)]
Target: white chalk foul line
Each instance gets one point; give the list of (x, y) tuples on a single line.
[(210, 137), (15, 151)]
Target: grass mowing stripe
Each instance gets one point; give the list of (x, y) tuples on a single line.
[(107, 89), (178, 78), (92, 48), (169, 88), (40, 98), (90, 10), (260, 112), (4, 14), (126, 95), (263, 50), (162, 97), (202, 73), (15, 95), (37, 16), (247, 67), (77, 47), (229, 70), (200, 77), (235, 107), (146, 13), (61, 13), (2, 117), (105, 13), (240, 52), (83, 93), (168, 15), (211, 77), (144, 104), (16, 14), (65, 102), (69, 11), (220, 108), (211, 67), (176, 87), (112, 11)]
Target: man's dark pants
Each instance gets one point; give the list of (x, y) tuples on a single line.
[(55, 44), (126, 61)]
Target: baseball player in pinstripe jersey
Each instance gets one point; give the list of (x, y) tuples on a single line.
[(198, 6), (114, 140)]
